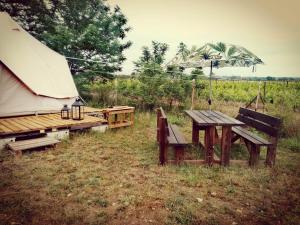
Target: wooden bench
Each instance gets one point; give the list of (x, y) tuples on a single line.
[(17, 147), (264, 123), (169, 135)]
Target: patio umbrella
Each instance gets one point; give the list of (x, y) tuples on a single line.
[(216, 55)]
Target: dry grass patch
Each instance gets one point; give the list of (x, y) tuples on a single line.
[(114, 178)]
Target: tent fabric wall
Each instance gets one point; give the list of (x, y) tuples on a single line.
[(42, 70), (16, 100), (34, 79)]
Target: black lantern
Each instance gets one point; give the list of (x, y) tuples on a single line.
[(65, 112), (77, 110)]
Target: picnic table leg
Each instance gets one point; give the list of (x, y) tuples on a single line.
[(216, 138), (225, 145), (179, 154), (209, 145), (195, 133)]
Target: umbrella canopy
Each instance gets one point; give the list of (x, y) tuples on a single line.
[(215, 55), (222, 55)]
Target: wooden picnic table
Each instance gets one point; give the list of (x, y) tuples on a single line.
[(208, 120)]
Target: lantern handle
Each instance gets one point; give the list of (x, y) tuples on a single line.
[(82, 99)]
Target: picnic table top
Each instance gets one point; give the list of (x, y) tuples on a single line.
[(212, 118)]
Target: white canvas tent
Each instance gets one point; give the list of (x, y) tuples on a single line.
[(33, 78)]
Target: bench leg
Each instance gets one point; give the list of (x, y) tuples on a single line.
[(271, 152), (163, 153), (225, 145), (179, 154), (254, 155), (18, 154), (195, 134), (209, 145), (271, 155), (163, 146)]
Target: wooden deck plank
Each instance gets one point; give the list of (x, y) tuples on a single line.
[(36, 121), (20, 121), (23, 124), (49, 123), (4, 129), (15, 125), (53, 121), (12, 126)]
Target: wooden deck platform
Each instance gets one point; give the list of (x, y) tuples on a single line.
[(42, 123), (118, 116)]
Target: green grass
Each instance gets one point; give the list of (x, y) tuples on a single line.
[(292, 143), (114, 178)]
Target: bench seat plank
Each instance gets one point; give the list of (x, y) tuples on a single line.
[(32, 143), (171, 138), (176, 137), (255, 139)]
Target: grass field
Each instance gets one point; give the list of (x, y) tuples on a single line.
[(114, 178)]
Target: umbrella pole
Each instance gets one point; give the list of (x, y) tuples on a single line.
[(210, 90)]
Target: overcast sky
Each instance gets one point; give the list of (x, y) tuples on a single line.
[(269, 28)]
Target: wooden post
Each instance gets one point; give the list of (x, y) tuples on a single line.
[(179, 154), (271, 152), (210, 90), (193, 93), (116, 87), (195, 133), (265, 84), (209, 145), (225, 145), (158, 115), (162, 141), (258, 97)]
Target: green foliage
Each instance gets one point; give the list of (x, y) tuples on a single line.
[(292, 143), (150, 63), (197, 73), (85, 29), (147, 92), (102, 93), (151, 90)]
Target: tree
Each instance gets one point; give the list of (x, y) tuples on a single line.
[(150, 63), (197, 73), (82, 29), (183, 50)]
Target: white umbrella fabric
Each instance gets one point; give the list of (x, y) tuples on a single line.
[(216, 55)]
